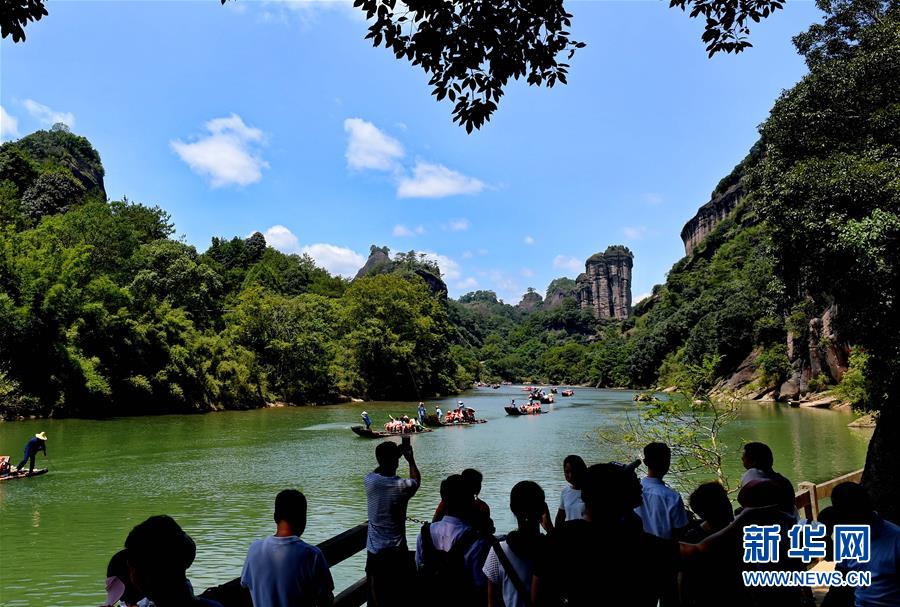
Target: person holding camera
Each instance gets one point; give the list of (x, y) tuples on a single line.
[(387, 496)]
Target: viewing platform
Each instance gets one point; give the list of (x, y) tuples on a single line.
[(352, 541)]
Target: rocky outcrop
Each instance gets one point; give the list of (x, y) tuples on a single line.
[(379, 258), (559, 290), (380, 262), (709, 216), (531, 300), (819, 354), (605, 286)]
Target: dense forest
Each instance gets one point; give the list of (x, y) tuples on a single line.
[(103, 312)]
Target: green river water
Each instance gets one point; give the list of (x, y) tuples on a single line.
[(218, 474)]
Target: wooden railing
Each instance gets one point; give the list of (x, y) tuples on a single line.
[(335, 550), (808, 494)]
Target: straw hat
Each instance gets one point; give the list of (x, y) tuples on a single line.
[(364, 413), (41, 435)]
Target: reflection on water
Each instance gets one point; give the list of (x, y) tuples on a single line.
[(217, 474)]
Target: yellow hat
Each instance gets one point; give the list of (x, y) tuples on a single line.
[(41, 435)]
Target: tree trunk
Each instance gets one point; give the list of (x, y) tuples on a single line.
[(882, 473)]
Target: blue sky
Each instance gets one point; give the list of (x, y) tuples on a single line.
[(279, 117)]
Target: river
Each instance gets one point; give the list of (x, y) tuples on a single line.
[(218, 474)]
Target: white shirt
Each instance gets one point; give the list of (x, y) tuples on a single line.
[(496, 573), (570, 502), (662, 511), (387, 497)]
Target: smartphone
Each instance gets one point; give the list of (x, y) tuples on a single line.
[(405, 441)]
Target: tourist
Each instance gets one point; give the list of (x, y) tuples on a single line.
[(852, 506), (662, 511), (36, 443), (510, 564), (605, 558), (438, 412), (480, 516), (758, 460), (387, 496), (118, 582), (705, 580), (421, 413), (570, 505), (159, 554), (282, 570), (725, 549), (367, 420), (710, 503), (450, 553)]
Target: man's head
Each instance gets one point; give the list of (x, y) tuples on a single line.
[(710, 502), (290, 508), (610, 490), (852, 504), (657, 458), (757, 455), (388, 454), (473, 478), (159, 554), (573, 469), (526, 500), (457, 496)]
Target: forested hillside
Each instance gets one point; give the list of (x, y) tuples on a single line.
[(102, 312)]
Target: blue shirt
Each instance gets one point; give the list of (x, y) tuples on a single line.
[(662, 511), (883, 563), (286, 572), (34, 445)]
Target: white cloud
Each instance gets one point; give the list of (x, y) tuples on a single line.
[(459, 225), (370, 148), (9, 126), (450, 269), (568, 263), (436, 181), (529, 240), (467, 255), (228, 155), (526, 272), (482, 252), (48, 116), (641, 297), (403, 231), (467, 284), (281, 238), (335, 259), (635, 232), (653, 198)]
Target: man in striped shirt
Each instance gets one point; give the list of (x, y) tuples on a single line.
[(388, 495)]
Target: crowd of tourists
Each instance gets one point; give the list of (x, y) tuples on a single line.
[(615, 540), (403, 425)]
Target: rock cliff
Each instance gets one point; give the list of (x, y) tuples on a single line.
[(605, 286), (709, 215)]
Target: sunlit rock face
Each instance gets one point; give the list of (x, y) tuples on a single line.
[(605, 286)]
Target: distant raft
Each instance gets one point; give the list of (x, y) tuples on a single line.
[(530, 411), (369, 433)]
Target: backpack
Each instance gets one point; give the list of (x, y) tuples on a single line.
[(444, 578)]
